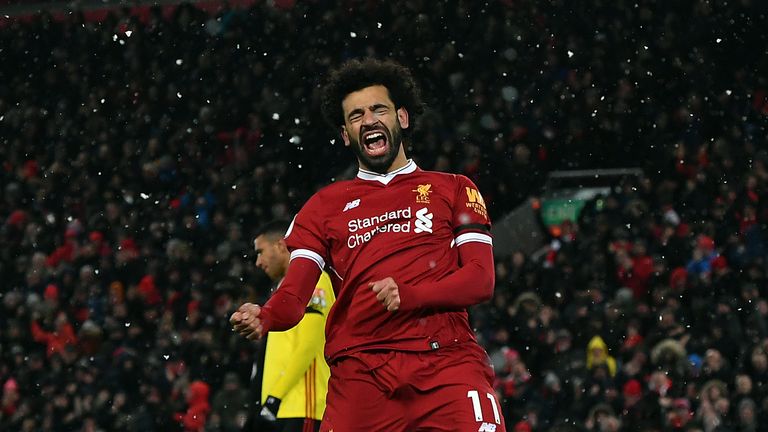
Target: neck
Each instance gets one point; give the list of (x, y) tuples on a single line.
[(397, 164)]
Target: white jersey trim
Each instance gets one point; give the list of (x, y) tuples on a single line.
[(308, 254), (474, 237), (387, 177)]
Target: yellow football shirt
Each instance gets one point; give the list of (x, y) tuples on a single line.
[(295, 370)]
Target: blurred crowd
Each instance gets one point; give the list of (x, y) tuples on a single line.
[(139, 154)]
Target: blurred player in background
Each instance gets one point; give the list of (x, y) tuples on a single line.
[(408, 251), (291, 375)]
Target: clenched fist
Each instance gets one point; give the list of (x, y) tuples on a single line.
[(246, 321), (387, 293)]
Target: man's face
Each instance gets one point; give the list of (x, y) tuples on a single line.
[(373, 128), (271, 256)]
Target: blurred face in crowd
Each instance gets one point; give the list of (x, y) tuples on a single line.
[(743, 384), (759, 360), (713, 360), (271, 255), (746, 412), (723, 406), (373, 129), (518, 259)]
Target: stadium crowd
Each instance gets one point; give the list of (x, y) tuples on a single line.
[(139, 153)]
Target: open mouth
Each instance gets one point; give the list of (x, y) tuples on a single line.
[(375, 143)]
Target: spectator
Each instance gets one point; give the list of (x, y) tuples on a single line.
[(747, 419), (198, 407), (597, 355), (9, 403), (61, 335), (231, 406)]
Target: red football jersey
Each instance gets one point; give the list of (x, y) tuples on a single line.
[(406, 225)]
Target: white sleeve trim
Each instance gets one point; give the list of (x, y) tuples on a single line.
[(474, 237), (308, 254)]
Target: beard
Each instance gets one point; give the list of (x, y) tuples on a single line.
[(380, 163)]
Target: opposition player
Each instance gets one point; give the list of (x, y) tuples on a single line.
[(408, 251), (293, 377)]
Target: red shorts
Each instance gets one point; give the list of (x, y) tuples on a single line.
[(448, 389)]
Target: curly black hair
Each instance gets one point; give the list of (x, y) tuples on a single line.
[(355, 75)]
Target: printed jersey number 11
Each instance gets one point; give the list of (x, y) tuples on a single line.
[(475, 396)]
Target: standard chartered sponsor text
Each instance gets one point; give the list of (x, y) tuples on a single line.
[(358, 224), (391, 221)]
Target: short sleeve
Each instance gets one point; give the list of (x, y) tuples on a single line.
[(470, 215), (305, 236)]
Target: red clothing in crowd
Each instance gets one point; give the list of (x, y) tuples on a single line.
[(57, 340), (196, 415)]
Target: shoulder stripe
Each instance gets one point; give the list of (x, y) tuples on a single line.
[(306, 253), (474, 237), (474, 226)]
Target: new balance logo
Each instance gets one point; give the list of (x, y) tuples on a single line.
[(352, 204), (423, 222), (487, 427)]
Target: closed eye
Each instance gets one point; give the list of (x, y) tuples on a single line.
[(355, 115)]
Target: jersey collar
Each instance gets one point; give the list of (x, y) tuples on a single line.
[(386, 178)]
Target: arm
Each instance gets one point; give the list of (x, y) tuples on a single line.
[(474, 280), (305, 238), (471, 284), (286, 306)]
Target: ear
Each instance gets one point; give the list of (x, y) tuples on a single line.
[(281, 246), (402, 116), (345, 136)]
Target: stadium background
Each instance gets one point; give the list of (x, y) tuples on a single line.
[(142, 145)]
